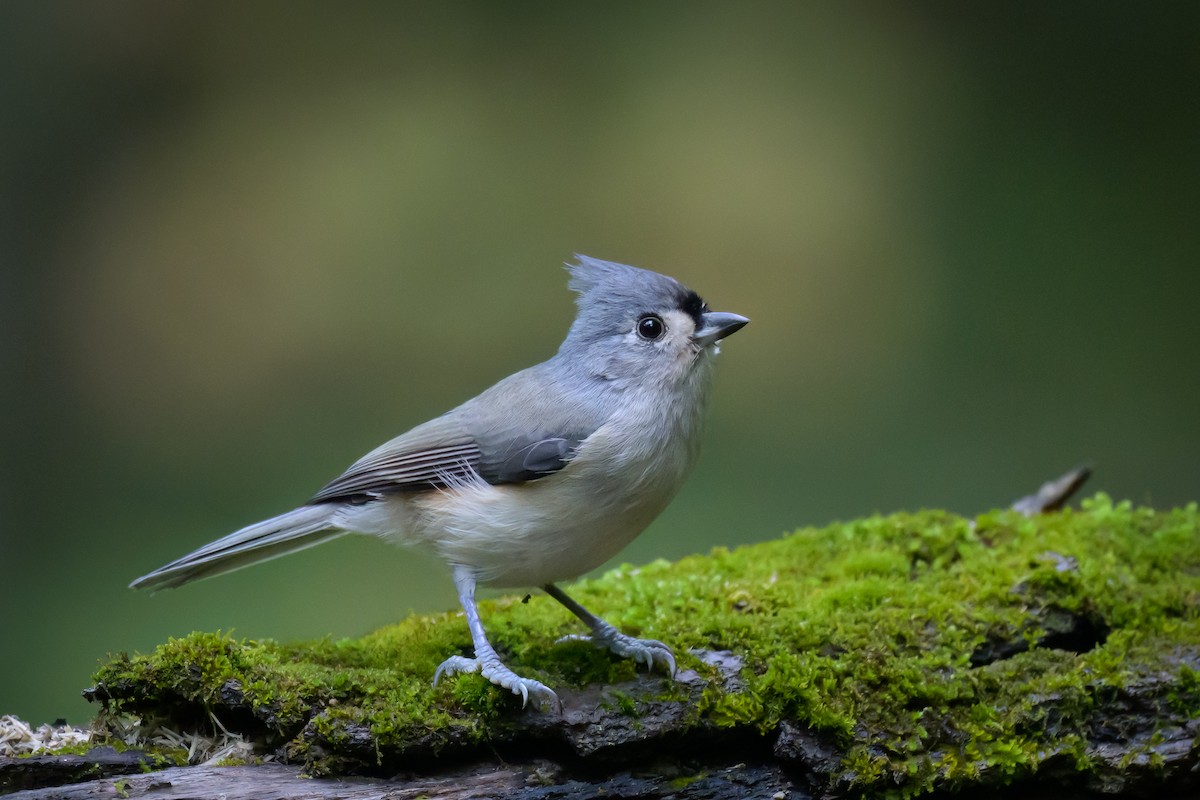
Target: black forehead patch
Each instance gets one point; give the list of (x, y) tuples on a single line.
[(691, 304)]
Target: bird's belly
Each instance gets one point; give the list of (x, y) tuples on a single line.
[(535, 533)]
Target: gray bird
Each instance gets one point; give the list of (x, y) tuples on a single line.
[(540, 478)]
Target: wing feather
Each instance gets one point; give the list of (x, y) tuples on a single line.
[(427, 457), (522, 429)]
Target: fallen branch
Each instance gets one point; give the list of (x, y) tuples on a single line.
[(908, 653)]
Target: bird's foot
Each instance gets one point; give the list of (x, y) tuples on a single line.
[(495, 671), (642, 651)]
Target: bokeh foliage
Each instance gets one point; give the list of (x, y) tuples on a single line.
[(244, 243)]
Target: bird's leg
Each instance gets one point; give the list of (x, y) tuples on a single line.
[(642, 651), (486, 662)]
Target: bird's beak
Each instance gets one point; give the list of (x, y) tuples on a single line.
[(716, 325)]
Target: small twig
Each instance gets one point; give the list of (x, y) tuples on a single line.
[(1052, 494)]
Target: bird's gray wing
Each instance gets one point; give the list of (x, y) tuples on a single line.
[(525, 461), (441, 453), (428, 456)]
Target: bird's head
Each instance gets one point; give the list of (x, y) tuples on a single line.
[(635, 325)]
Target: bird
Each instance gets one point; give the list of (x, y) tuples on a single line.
[(538, 479)]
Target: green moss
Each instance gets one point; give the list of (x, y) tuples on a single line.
[(684, 781), (155, 756), (78, 749), (926, 647)]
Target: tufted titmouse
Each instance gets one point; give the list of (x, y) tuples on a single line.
[(538, 479)]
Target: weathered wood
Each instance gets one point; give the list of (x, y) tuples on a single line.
[(541, 780), (52, 770)]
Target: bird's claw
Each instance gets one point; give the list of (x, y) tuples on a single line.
[(502, 676), (642, 651)]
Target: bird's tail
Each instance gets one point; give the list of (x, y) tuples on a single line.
[(297, 529)]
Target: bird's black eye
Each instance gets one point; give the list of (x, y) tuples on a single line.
[(651, 327)]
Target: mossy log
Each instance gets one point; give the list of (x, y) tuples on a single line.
[(901, 654)]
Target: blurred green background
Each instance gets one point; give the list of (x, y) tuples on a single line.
[(242, 244)]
